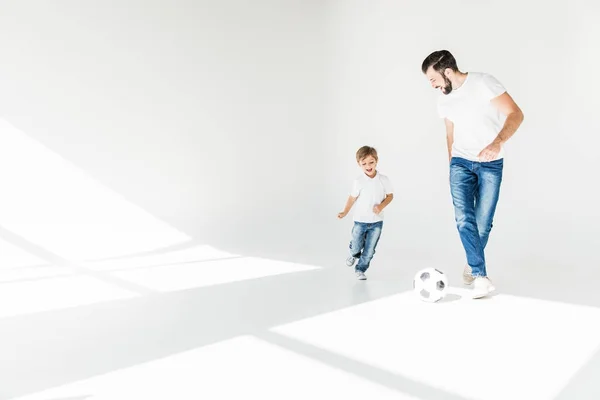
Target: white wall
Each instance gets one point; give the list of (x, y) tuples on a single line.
[(238, 121), (545, 55), (207, 114)]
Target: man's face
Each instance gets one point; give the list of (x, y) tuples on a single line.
[(439, 81)]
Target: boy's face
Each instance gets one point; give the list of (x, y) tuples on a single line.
[(368, 165)]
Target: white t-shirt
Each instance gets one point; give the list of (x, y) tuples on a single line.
[(370, 192), (476, 121)]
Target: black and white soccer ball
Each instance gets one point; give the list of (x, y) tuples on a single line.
[(430, 285)]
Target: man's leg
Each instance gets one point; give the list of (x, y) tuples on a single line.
[(357, 242), (486, 197), (372, 238), (463, 184)]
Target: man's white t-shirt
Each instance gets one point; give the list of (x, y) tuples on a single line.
[(476, 121), (370, 192)]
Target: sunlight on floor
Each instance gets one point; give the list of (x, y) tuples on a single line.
[(56, 223), (243, 367), (208, 273), (12, 257), (428, 348), (13, 275), (199, 253), (49, 203), (17, 264), (17, 298), (504, 347), (37, 288)]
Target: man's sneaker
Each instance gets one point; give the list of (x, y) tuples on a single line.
[(350, 261), (483, 286), (361, 276), (467, 276)]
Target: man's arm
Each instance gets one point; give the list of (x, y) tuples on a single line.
[(514, 117), (349, 204), (449, 136)]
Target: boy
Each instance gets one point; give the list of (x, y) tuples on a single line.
[(372, 192)]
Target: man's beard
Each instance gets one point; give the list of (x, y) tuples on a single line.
[(448, 88)]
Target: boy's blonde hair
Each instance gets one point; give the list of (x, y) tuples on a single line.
[(366, 151)]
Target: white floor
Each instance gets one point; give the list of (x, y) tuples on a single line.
[(202, 323)]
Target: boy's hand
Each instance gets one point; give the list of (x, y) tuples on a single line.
[(377, 209), (342, 215)]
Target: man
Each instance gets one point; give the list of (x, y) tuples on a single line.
[(480, 116)]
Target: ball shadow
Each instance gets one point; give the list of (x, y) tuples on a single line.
[(450, 297)]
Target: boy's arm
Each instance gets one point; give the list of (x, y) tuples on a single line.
[(349, 204), (389, 196), (388, 199)]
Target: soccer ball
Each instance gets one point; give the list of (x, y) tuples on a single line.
[(430, 285)]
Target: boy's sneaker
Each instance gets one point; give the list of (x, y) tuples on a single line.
[(350, 261), (483, 286), (467, 275), (361, 276)]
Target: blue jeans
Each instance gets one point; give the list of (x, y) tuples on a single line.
[(365, 236), (475, 188)]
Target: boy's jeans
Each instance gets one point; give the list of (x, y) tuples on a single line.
[(365, 236), (475, 188)]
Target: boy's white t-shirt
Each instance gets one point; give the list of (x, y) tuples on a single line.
[(369, 192), (476, 121)]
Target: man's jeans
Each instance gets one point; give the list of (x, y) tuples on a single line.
[(365, 236), (475, 188)]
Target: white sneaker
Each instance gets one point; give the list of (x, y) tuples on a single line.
[(361, 276), (467, 276), (483, 286), (350, 261)]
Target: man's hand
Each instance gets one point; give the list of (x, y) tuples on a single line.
[(514, 117), (490, 152), (342, 215), (377, 209)]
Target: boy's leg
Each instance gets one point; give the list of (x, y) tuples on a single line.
[(372, 238), (463, 184), (486, 197), (357, 242)]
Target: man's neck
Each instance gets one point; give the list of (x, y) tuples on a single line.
[(459, 80)]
